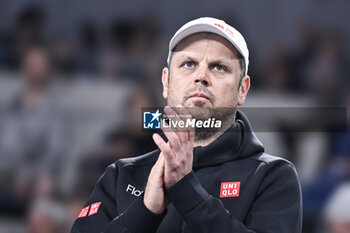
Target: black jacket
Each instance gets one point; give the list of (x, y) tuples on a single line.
[(262, 194)]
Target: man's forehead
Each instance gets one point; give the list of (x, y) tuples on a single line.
[(204, 36)]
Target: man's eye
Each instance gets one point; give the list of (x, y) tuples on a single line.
[(219, 68), (188, 64)]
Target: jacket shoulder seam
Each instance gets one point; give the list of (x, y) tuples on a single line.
[(269, 159), (138, 161)]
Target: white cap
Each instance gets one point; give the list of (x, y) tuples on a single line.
[(216, 26)]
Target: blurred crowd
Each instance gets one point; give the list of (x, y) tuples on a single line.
[(71, 104)]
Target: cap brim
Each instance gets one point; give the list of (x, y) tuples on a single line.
[(200, 28)]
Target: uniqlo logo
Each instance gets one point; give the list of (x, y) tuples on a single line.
[(224, 28), (84, 212), (229, 189), (94, 208)]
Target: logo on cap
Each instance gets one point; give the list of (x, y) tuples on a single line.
[(224, 28)]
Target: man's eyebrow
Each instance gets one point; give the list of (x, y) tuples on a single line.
[(222, 61), (186, 56), (219, 60)]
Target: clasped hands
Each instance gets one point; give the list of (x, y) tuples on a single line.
[(174, 162)]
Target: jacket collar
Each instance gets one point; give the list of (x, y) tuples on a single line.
[(236, 142)]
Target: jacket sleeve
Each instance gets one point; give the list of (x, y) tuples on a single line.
[(135, 219), (277, 207)]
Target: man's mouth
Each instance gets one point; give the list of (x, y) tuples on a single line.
[(199, 95)]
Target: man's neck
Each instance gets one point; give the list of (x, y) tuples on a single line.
[(207, 141)]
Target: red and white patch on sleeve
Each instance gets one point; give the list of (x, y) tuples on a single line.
[(94, 208), (84, 212), (230, 189)]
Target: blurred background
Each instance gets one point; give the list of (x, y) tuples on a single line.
[(75, 74)]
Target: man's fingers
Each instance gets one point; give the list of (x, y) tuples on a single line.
[(185, 116), (158, 167), (175, 117), (160, 142), (174, 140), (154, 192), (164, 147), (160, 161)]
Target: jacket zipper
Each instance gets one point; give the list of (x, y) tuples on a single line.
[(182, 226)]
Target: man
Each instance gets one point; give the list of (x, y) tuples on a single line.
[(31, 135), (217, 180)]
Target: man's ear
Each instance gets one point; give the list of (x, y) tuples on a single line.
[(165, 81), (243, 90)]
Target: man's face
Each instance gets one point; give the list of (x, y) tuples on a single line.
[(35, 66), (204, 72)]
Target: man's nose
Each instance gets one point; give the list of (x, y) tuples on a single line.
[(202, 76)]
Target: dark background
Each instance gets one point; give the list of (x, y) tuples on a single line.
[(58, 132)]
